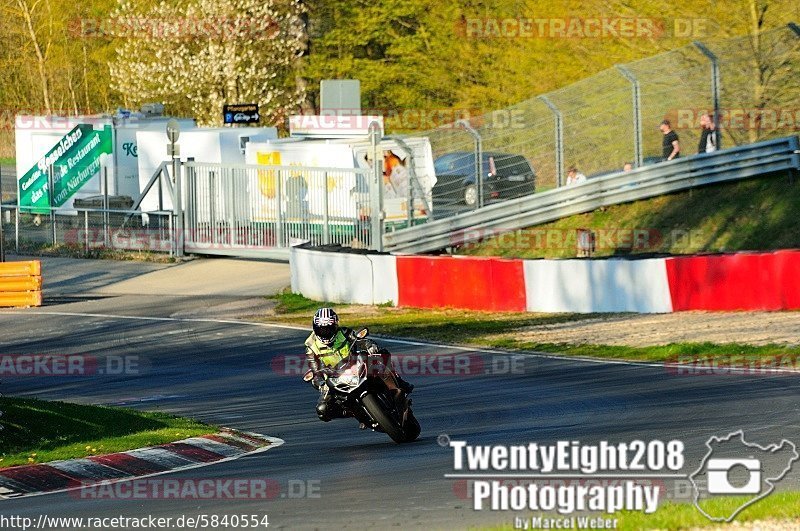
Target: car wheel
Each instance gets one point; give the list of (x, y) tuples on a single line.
[(471, 195)]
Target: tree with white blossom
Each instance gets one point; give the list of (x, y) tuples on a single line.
[(198, 55)]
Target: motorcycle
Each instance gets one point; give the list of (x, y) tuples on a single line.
[(356, 385)]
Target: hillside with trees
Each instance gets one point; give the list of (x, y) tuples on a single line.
[(95, 56)]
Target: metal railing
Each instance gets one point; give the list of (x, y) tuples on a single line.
[(81, 231), (683, 173), (252, 209), (600, 123)]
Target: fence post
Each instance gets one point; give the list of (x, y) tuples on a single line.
[(178, 206), (172, 241), (637, 114), (2, 234), (715, 82), (376, 190), (2, 220), (279, 208), (326, 229), (50, 196), (478, 158), (106, 217), (86, 230), (559, 140), (16, 230)]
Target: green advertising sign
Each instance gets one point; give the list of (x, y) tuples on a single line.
[(75, 159)]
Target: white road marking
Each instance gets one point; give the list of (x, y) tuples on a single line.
[(542, 355)]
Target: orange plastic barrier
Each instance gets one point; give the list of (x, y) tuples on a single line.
[(21, 284)]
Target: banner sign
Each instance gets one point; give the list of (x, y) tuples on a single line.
[(75, 159)]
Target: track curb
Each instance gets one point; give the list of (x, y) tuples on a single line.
[(74, 474)]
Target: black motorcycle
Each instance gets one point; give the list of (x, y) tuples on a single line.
[(356, 385)]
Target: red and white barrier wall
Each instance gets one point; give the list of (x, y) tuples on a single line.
[(741, 281)]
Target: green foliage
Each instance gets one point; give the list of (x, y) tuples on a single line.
[(39, 431), (288, 302), (409, 54)]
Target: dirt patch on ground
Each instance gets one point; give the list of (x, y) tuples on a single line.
[(755, 328)]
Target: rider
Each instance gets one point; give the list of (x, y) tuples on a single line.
[(327, 346)]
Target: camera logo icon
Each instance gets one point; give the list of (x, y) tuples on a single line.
[(735, 467), (719, 476)]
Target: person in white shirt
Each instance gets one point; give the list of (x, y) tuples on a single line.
[(574, 176)]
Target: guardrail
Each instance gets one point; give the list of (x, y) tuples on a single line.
[(21, 284), (737, 163)]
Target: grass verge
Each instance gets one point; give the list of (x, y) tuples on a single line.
[(781, 506), (37, 431), (497, 330), (70, 250), (776, 511), (754, 215)]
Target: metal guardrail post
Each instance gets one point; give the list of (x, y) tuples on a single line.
[(2, 234), (559, 130), (50, 184), (478, 158), (637, 114), (279, 207), (376, 190), (178, 206), (715, 82), (326, 229), (2, 220), (86, 230), (172, 240)]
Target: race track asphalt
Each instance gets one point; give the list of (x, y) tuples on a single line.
[(226, 373)]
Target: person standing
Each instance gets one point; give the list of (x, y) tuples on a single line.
[(708, 137), (671, 146), (574, 176)]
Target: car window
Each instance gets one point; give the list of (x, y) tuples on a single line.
[(512, 165), (454, 164)]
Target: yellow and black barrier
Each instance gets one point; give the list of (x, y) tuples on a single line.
[(21, 284)]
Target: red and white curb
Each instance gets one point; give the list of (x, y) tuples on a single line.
[(59, 476)]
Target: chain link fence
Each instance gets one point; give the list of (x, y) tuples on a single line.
[(84, 231), (597, 125)]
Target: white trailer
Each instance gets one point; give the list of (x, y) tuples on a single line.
[(346, 190), (222, 145)]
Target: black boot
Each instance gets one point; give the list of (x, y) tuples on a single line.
[(327, 409), (404, 385)]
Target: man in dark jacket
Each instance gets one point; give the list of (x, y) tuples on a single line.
[(708, 135)]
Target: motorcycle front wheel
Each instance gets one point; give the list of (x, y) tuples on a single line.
[(377, 406)]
